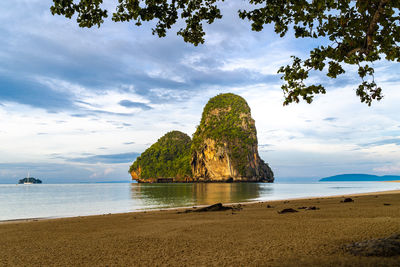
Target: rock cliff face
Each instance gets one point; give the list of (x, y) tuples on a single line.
[(167, 160), (224, 146)]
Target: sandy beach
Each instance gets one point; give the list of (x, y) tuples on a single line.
[(256, 235)]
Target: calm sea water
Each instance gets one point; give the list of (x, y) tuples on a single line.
[(65, 200)]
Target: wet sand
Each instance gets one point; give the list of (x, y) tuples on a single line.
[(253, 236)]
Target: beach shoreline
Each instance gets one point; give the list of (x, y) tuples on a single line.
[(255, 235), (201, 206)]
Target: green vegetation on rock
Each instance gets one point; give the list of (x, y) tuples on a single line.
[(169, 157), (226, 119), (223, 149)]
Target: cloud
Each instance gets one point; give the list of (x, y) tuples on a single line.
[(129, 143), (264, 145), (67, 71), (131, 104), (87, 154), (330, 119), (108, 159), (102, 173), (388, 169), (80, 115), (104, 112), (388, 141), (26, 91)]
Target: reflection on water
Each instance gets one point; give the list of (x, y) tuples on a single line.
[(64, 200), (178, 195)]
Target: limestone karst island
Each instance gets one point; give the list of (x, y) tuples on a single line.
[(224, 148)]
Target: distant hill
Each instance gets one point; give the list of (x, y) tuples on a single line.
[(360, 178)]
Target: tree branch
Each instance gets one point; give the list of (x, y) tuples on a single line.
[(355, 50), (371, 30), (373, 23)]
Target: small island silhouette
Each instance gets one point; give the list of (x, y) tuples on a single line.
[(30, 180)]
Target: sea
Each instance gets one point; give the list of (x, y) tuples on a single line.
[(70, 200)]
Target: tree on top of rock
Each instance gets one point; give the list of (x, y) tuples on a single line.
[(227, 128), (169, 157)]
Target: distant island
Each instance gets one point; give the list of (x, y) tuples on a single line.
[(29, 180), (360, 178), (224, 148)]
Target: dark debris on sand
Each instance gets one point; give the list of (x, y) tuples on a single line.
[(382, 247), (308, 208), (312, 208), (347, 200), (215, 207), (289, 210)]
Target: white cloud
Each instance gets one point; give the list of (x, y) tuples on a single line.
[(388, 169), (102, 173), (92, 100)]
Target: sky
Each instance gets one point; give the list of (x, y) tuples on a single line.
[(81, 104)]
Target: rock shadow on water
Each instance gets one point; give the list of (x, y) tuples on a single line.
[(182, 194)]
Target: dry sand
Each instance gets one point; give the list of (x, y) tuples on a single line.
[(254, 236)]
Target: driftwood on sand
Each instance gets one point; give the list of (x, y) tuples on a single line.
[(214, 207)]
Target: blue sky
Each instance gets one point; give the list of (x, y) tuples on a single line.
[(80, 104)]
